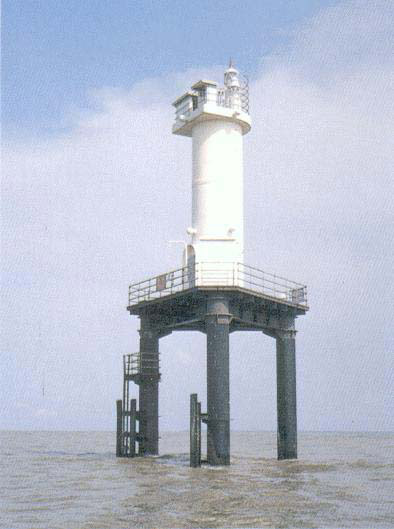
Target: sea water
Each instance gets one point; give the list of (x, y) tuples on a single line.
[(72, 480)]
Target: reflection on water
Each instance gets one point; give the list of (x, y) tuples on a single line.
[(55, 480)]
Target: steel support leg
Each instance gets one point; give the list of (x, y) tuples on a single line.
[(149, 394), (218, 387), (119, 428), (195, 431), (133, 424), (286, 394)]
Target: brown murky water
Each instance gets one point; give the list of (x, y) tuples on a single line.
[(65, 480)]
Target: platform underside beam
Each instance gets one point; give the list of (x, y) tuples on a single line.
[(186, 312)]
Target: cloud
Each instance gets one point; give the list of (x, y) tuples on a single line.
[(93, 207)]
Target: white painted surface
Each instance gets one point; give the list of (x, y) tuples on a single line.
[(217, 191), (187, 117), (216, 123)]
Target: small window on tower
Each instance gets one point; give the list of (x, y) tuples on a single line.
[(202, 94)]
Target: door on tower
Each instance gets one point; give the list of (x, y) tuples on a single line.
[(191, 266)]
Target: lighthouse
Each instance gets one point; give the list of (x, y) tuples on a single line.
[(214, 291), (216, 119)]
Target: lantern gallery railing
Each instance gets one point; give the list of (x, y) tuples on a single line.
[(222, 98), (219, 274)]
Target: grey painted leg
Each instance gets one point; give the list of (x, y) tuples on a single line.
[(149, 390), (218, 386), (119, 429), (286, 394)]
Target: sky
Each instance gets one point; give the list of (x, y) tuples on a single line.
[(94, 185)]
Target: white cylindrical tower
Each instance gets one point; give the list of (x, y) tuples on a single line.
[(217, 200), (216, 118)]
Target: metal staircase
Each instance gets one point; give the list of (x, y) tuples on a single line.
[(137, 367)]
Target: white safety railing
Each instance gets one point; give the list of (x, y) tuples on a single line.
[(219, 274), (222, 97)]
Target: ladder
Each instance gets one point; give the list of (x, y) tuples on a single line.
[(136, 367)]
